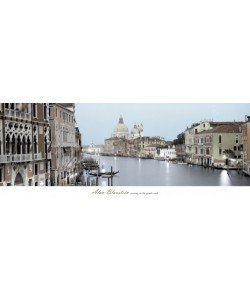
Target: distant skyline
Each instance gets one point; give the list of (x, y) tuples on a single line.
[(97, 121)]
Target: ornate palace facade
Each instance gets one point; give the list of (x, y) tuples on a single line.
[(32, 150), (24, 139)]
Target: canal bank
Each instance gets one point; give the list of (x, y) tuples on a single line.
[(149, 172)]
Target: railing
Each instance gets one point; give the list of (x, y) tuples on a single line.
[(15, 158), (17, 114), (37, 156)]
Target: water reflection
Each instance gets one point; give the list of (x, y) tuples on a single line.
[(225, 178), (149, 172)]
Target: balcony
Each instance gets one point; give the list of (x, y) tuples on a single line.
[(37, 156), (17, 114), (15, 158)]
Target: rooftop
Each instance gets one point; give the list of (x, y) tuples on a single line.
[(225, 128)]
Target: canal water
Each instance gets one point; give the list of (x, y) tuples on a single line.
[(150, 172)]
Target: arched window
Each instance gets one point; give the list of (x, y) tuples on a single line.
[(35, 144), (13, 145), (45, 111), (34, 110), (19, 180), (28, 145), (18, 145), (7, 144), (23, 145)]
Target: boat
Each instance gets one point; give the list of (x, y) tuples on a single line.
[(103, 173), (160, 158)]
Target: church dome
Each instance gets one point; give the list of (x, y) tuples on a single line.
[(135, 130), (121, 130)]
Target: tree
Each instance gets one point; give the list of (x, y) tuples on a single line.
[(229, 153), (180, 139)]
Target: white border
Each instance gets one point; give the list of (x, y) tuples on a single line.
[(186, 243)]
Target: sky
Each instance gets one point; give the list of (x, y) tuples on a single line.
[(97, 121)]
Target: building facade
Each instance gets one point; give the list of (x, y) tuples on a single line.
[(219, 146), (137, 131), (167, 152), (93, 149), (115, 146), (121, 130), (24, 144), (246, 145), (65, 144), (201, 146)]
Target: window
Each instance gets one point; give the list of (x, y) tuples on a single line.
[(204, 125), (237, 139), (36, 169), (238, 148), (196, 131), (34, 110), (36, 184), (45, 111), (35, 144), (1, 175), (220, 151), (220, 139), (239, 156), (201, 151), (235, 148)]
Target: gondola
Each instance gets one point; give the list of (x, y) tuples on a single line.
[(103, 173)]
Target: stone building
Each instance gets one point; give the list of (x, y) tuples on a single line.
[(65, 144), (115, 146), (78, 152), (246, 145), (24, 144), (137, 131), (219, 146), (93, 149), (134, 145), (192, 140), (167, 152), (121, 130), (145, 146)]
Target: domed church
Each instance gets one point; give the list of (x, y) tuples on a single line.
[(121, 130), (137, 131)]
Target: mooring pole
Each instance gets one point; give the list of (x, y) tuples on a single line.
[(111, 179)]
